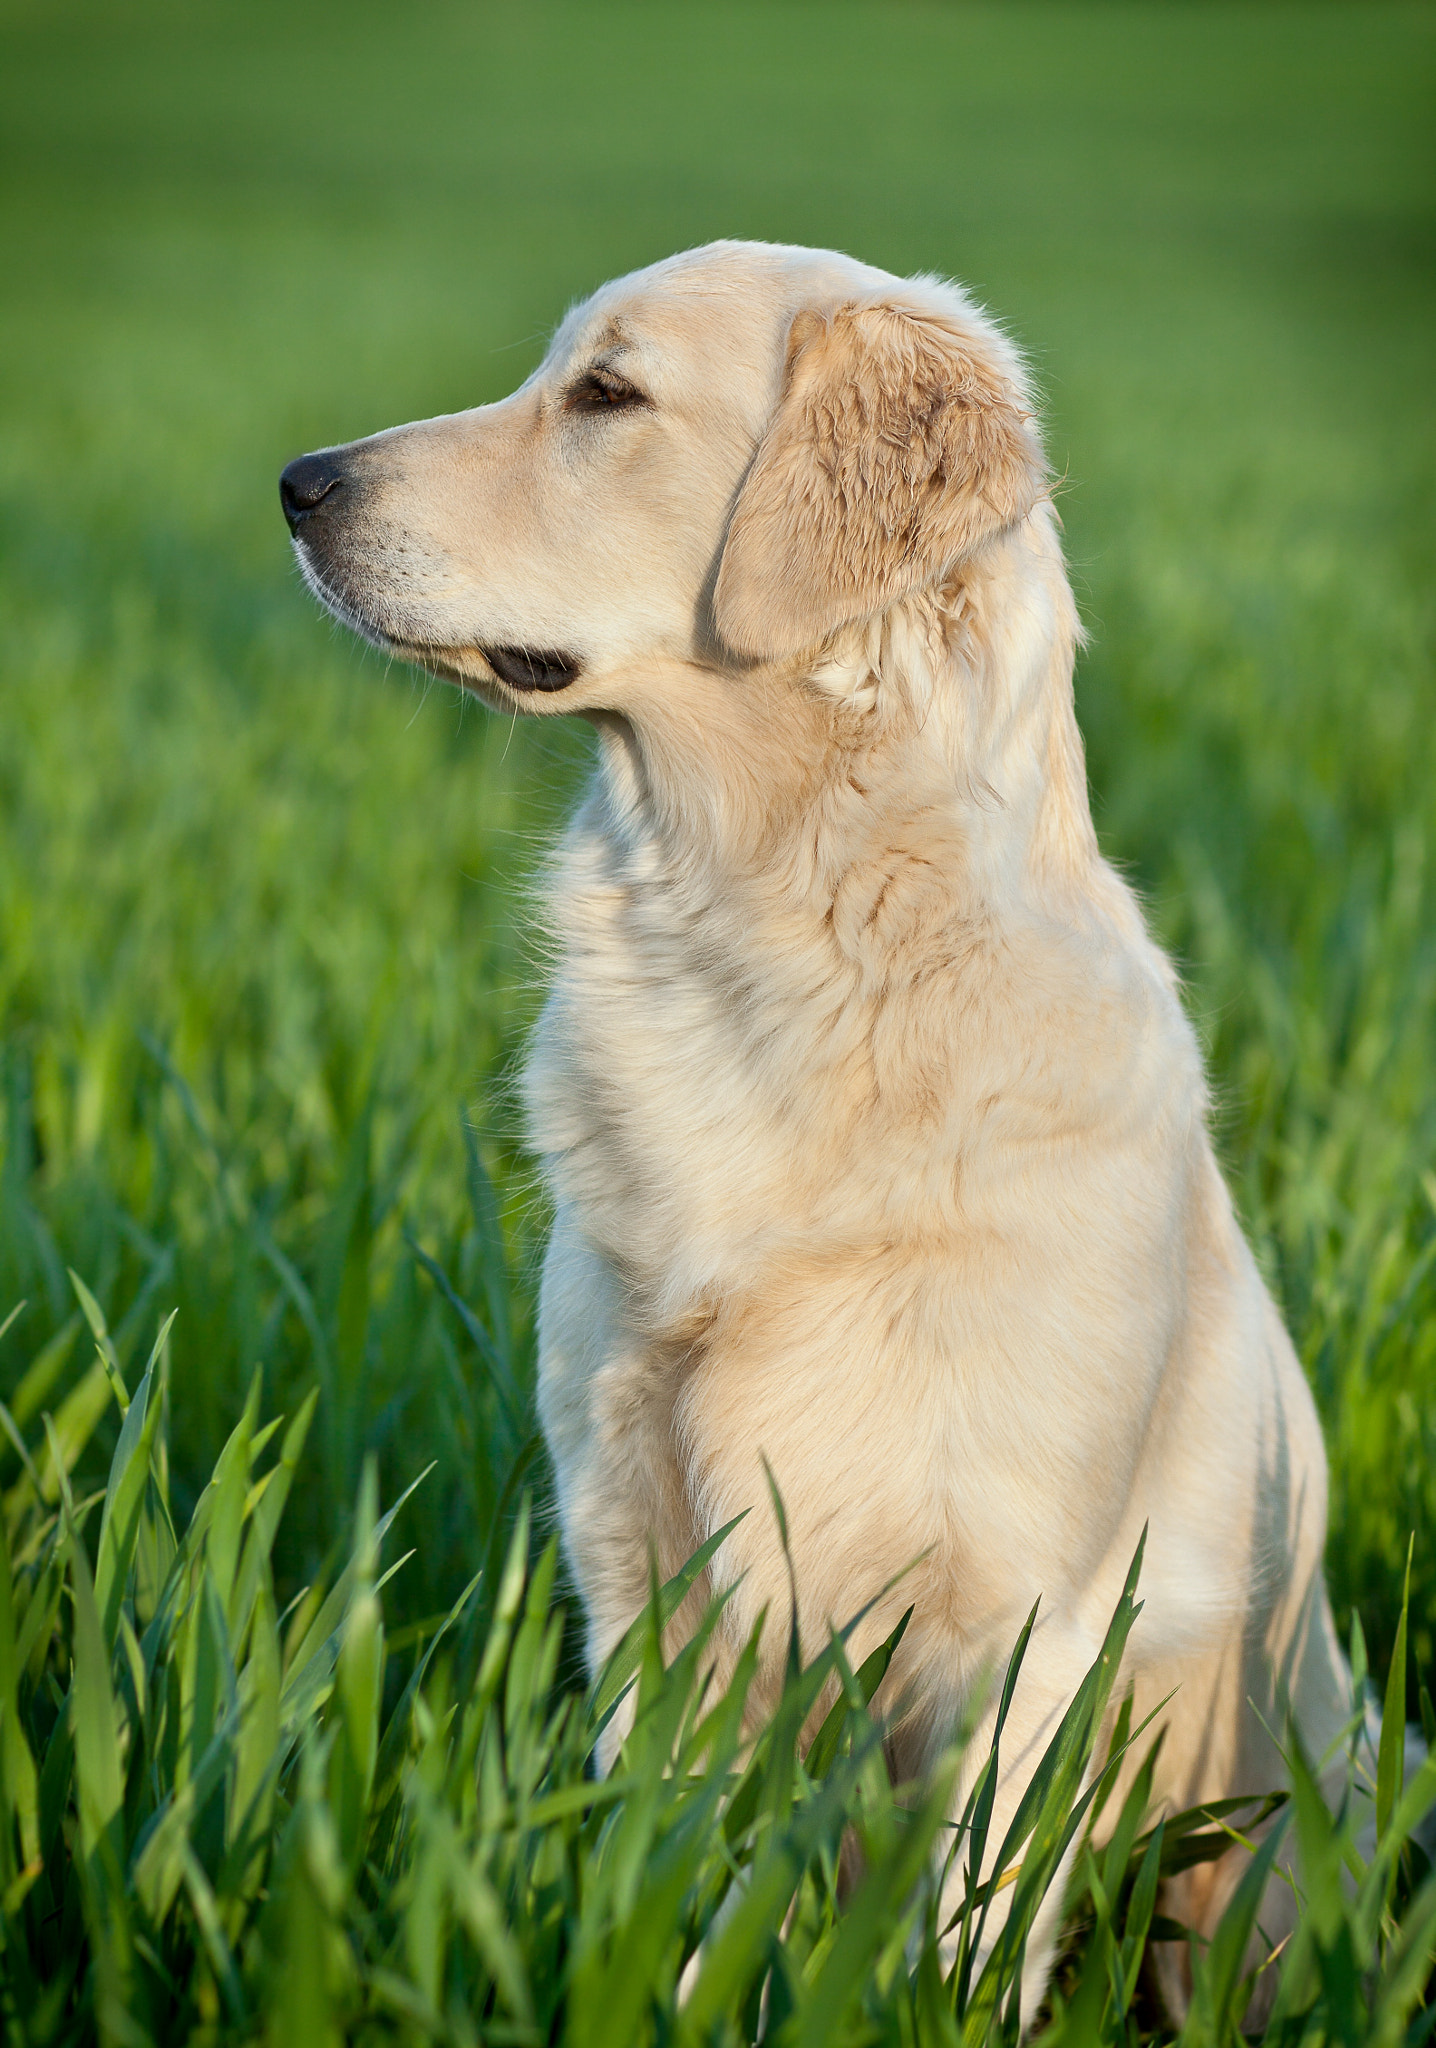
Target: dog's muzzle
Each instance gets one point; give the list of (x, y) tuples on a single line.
[(320, 487)]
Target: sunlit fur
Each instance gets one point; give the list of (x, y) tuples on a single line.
[(875, 1131)]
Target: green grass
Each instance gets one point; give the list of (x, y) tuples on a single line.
[(262, 943), (227, 1838)]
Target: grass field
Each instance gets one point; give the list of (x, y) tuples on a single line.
[(263, 972)]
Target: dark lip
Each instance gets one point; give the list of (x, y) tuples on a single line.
[(533, 668)]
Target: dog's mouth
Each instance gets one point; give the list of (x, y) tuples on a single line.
[(524, 670), (527, 668)]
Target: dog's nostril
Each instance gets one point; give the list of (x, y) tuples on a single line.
[(305, 484)]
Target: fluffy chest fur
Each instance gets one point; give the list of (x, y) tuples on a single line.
[(853, 1045)]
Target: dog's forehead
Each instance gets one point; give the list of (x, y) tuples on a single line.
[(727, 298)]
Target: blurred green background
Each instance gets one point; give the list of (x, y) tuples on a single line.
[(262, 898)]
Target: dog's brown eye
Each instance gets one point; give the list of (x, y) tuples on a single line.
[(602, 391)]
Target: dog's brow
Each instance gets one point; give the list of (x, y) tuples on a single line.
[(616, 338)]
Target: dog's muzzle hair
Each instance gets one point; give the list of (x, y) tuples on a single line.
[(319, 487)]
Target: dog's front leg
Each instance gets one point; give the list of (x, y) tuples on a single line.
[(605, 1403)]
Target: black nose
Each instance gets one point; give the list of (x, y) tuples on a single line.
[(306, 484)]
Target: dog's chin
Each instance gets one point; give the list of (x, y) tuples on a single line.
[(500, 672)]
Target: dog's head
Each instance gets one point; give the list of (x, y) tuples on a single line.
[(721, 460)]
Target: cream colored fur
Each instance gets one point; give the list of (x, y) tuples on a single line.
[(875, 1131)]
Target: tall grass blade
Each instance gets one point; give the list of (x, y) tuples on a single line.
[(1392, 1752)]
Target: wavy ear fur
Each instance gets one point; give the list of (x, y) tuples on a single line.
[(899, 445)]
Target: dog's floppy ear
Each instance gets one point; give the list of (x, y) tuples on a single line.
[(899, 444)]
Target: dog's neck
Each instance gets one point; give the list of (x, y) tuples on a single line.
[(941, 731), (802, 920)]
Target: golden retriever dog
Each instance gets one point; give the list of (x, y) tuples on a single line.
[(875, 1132)]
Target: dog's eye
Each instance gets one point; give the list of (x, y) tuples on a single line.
[(603, 391)]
